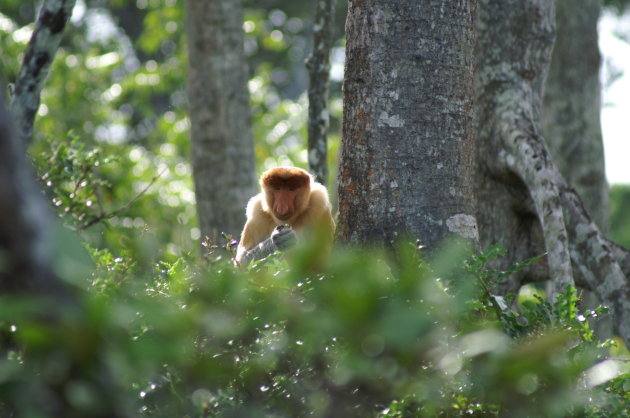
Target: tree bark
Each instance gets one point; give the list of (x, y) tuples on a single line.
[(524, 202), (407, 149), (25, 223), (571, 116), (25, 255), (601, 266), (509, 96), (221, 140), (572, 105), (41, 50), (318, 66)]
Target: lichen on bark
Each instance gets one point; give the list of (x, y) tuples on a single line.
[(41, 49), (406, 155), (524, 201)]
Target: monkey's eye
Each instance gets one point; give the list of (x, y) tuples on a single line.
[(276, 187), (292, 188)]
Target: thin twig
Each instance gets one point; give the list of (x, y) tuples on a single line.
[(110, 215)]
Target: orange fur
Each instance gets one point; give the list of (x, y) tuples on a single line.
[(289, 196)]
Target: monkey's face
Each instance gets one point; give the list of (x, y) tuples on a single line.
[(286, 202), (286, 192)]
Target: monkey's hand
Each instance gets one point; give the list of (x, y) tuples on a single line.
[(283, 237)]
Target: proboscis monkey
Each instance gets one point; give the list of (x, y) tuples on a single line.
[(291, 205)]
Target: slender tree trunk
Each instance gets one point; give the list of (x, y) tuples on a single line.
[(572, 105), (41, 50), (524, 202), (407, 152), (25, 223), (318, 66), (221, 141)]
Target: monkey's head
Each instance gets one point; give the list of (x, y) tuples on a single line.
[(286, 192)]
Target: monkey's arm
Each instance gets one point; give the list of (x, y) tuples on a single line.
[(281, 239)]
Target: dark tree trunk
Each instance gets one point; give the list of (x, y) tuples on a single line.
[(407, 149), (25, 223), (524, 202), (218, 101)]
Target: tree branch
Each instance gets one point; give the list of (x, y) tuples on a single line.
[(527, 156), (110, 215), (571, 238), (40, 52), (596, 260), (622, 255), (510, 84)]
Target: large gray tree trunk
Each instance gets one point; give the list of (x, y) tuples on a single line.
[(524, 202), (407, 149), (572, 105), (571, 114), (218, 101)]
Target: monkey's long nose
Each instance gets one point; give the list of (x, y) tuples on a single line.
[(284, 211)]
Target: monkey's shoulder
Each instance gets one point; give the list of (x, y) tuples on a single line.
[(319, 197), (257, 208)]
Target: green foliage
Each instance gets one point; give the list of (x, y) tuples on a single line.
[(121, 204), (619, 220), (73, 181), (116, 91), (363, 334), (111, 142), (154, 331)]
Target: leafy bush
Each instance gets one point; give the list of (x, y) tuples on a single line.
[(365, 334)]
